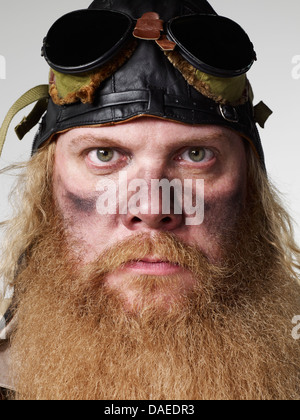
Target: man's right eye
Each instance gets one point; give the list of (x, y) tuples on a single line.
[(103, 156)]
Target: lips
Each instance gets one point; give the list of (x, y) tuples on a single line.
[(154, 260), (152, 266)]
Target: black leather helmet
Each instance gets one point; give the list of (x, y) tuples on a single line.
[(152, 76)]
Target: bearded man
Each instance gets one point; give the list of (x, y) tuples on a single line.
[(136, 303)]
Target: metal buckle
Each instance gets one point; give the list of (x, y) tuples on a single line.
[(229, 113)]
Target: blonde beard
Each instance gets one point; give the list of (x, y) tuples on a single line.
[(230, 338)]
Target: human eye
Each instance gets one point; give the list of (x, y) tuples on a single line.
[(197, 155), (102, 157)]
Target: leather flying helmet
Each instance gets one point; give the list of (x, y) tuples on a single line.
[(119, 60)]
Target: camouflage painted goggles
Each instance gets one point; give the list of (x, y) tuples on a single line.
[(84, 40)]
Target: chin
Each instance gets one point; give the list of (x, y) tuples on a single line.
[(146, 293)]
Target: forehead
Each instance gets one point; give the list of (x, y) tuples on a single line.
[(150, 133)]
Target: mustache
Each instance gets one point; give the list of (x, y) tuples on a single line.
[(164, 246)]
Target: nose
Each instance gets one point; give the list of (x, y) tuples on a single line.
[(150, 221), (157, 209)]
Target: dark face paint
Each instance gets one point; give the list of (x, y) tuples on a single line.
[(85, 205)]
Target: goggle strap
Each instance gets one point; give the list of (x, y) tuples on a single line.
[(38, 94)]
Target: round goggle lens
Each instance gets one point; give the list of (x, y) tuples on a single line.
[(85, 39), (213, 44)]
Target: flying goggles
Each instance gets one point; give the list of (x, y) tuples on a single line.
[(84, 40)]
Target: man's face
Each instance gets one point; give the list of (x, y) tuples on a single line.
[(104, 298), (149, 149)]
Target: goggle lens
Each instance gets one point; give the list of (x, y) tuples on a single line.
[(85, 39), (213, 44)]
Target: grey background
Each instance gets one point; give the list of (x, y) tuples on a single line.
[(273, 26)]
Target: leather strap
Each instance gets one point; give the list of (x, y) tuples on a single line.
[(38, 93), (262, 113), (32, 119)]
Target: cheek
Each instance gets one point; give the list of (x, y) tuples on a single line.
[(83, 223), (74, 194), (225, 198), (222, 210), (224, 204), (70, 201), (78, 206)]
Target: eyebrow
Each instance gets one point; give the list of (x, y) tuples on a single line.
[(90, 140)]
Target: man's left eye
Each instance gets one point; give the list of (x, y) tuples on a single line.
[(197, 155), (103, 156)]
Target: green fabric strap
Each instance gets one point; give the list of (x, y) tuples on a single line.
[(39, 93)]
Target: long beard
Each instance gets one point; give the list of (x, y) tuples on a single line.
[(228, 338)]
